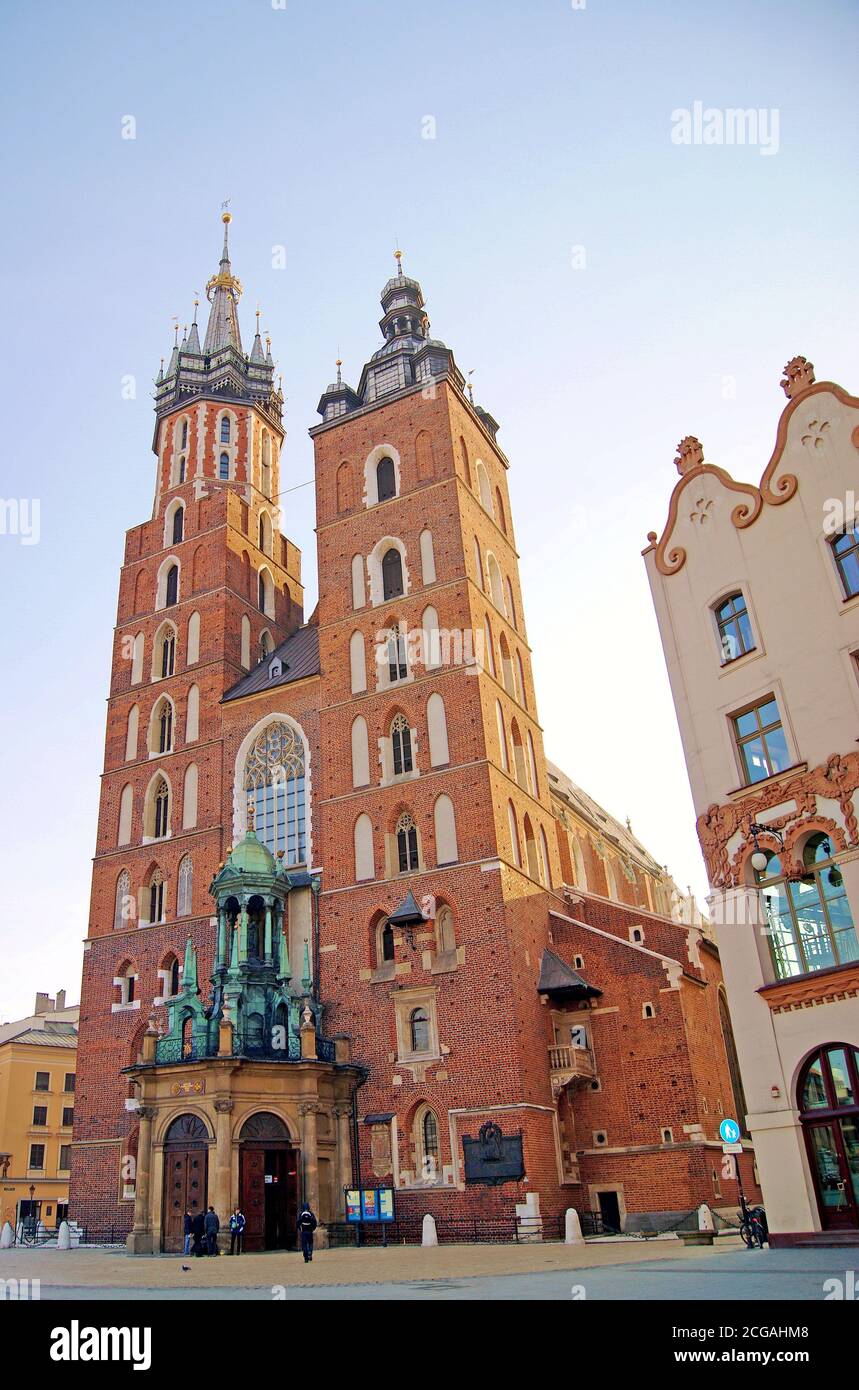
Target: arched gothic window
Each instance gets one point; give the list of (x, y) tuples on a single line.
[(266, 463), (171, 593), (398, 667), (445, 937), (387, 942), (185, 890), (225, 429), (428, 1146), (168, 652), (274, 779), (156, 897), (386, 479), (419, 1030), (122, 904), (178, 525), (392, 574), (401, 745), (184, 434), (407, 843), (165, 728), (162, 810), (224, 466), (174, 977)]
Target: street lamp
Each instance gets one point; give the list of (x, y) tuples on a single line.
[(759, 858)]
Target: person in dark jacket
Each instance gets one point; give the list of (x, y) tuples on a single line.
[(212, 1225), (187, 1231), (198, 1231), (307, 1224), (237, 1232)]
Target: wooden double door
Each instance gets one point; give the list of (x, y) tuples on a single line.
[(268, 1183), (185, 1185)]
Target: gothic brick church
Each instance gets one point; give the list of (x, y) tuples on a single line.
[(347, 925)]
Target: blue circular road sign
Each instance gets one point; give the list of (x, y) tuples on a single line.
[(729, 1131)]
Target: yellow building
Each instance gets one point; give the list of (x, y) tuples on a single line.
[(37, 1096)]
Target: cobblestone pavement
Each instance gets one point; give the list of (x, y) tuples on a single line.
[(639, 1271), (114, 1273)]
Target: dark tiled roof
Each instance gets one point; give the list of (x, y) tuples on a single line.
[(298, 657), (556, 977), (407, 912)]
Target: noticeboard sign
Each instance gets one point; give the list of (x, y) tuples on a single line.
[(373, 1204)]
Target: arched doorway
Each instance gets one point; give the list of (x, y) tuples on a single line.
[(186, 1165), (268, 1183), (828, 1097)]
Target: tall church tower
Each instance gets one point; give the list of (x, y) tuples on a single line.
[(435, 813), (208, 586)]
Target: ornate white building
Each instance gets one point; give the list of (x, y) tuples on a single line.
[(756, 589)]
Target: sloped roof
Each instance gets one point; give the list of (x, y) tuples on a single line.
[(558, 978), (47, 1037), (611, 829), (298, 657)]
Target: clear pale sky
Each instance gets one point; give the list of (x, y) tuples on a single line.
[(552, 131)]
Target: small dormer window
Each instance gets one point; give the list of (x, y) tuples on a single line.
[(275, 668)]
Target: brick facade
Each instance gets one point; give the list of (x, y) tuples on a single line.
[(490, 1031)]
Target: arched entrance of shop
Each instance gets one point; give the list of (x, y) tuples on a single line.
[(268, 1183), (828, 1096), (186, 1167)]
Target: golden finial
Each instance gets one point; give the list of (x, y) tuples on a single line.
[(398, 257), (251, 813)]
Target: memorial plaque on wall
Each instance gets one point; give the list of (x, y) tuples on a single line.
[(493, 1157)]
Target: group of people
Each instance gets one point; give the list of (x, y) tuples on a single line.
[(201, 1232)]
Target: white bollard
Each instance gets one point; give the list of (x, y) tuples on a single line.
[(429, 1234), (573, 1228), (7, 1236), (705, 1218), (64, 1238)]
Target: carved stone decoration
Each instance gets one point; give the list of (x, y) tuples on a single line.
[(798, 376), (381, 1160), (185, 1130), (264, 1125), (747, 511), (690, 453), (799, 386), (835, 780)]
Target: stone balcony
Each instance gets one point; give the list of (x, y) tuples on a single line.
[(570, 1066)]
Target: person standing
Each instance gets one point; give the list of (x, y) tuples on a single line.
[(237, 1232), (307, 1224), (198, 1231), (212, 1225), (187, 1231)]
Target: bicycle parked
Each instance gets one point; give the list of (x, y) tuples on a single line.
[(753, 1226)]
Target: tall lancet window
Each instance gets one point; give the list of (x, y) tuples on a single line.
[(274, 781)]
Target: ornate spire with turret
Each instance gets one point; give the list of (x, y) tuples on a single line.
[(223, 291), (220, 365), (408, 358)]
